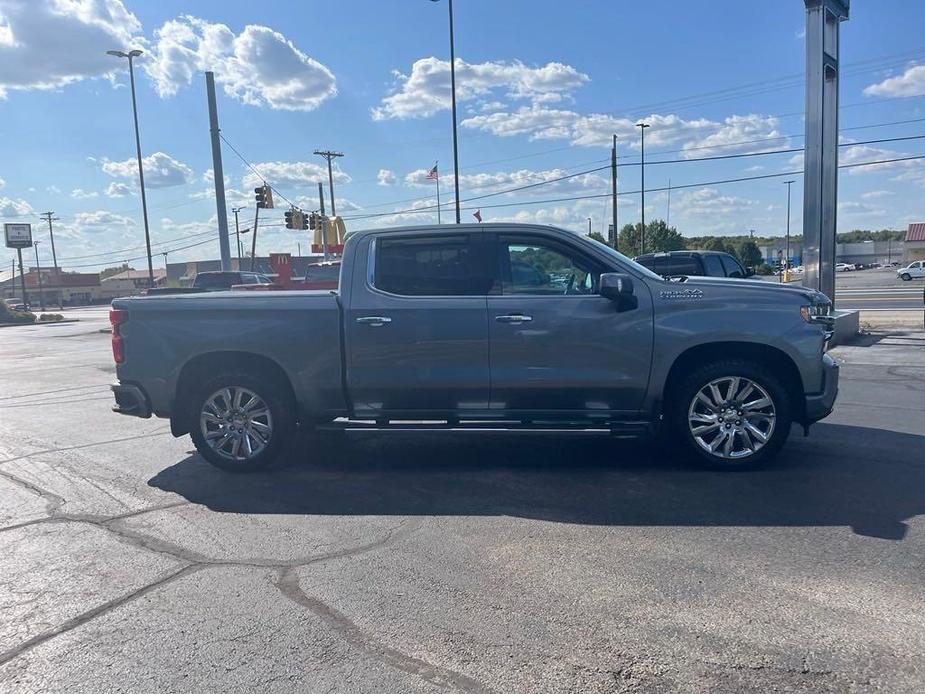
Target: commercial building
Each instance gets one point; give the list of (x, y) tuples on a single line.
[(914, 244), (129, 282), (57, 288), (863, 252)]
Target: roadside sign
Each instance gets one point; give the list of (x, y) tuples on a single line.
[(18, 235)]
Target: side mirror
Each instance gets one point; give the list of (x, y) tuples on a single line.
[(618, 288)]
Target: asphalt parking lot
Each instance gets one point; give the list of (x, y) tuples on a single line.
[(426, 563)]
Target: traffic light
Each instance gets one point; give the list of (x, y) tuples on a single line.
[(304, 219), (289, 219), (264, 196), (313, 221)]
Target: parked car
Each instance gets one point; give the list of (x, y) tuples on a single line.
[(843, 267), (16, 304), (694, 264), (214, 281), (448, 327), (914, 270)]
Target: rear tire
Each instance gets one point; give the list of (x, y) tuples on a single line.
[(905, 277), (731, 414), (242, 422)]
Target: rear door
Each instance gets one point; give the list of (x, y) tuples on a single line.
[(417, 325), (558, 348)]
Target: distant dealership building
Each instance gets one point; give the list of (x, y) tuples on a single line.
[(915, 243)]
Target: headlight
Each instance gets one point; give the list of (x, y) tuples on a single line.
[(817, 313)]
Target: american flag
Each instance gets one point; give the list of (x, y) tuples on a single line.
[(432, 174)]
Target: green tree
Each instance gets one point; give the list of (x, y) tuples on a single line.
[(749, 253), (659, 238), (597, 236)]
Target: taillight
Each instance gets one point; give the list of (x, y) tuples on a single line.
[(117, 317)]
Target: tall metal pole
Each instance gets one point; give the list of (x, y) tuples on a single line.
[(453, 97), (141, 170), (787, 259), (38, 269), (589, 226), (436, 164), (49, 217), (219, 176), (613, 192), (642, 187), (329, 155), (668, 216)]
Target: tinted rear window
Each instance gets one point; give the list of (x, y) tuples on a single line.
[(425, 266), (714, 266), (217, 280), (732, 267)]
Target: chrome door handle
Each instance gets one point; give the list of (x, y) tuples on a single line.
[(514, 318), (375, 321)]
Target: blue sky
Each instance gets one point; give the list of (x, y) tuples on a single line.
[(542, 86)]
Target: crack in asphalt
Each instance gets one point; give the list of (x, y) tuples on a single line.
[(288, 584), (157, 432)]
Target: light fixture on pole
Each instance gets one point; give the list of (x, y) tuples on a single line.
[(237, 231), (327, 154), (642, 187), (453, 107), (131, 55)]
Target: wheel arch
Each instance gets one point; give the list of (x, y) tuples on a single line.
[(775, 359), (208, 364)]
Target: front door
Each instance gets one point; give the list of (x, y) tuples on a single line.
[(558, 348), (417, 328)]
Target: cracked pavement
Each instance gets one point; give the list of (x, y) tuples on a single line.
[(436, 562)]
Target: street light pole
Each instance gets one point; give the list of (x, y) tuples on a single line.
[(613, 192), (38, 269), (787, 259), (131, 55), (237, 231), (642, 187), (453, 106)]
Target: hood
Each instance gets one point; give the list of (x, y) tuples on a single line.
[(751, 285)]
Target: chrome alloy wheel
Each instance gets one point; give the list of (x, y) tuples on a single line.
[(731, 417), (236, 423)]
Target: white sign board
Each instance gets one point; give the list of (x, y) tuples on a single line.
[(18, 235)]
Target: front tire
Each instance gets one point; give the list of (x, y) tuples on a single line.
[(243, 423), (905, 277), (731, 414)]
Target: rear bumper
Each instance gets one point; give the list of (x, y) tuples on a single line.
[(130, 400), (819, 405)]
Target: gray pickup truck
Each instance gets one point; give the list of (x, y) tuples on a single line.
[(488, 326)]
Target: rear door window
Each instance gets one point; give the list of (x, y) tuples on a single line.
[(439, 265), (680, 265)]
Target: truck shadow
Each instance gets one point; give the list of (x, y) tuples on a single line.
[(866, 479)]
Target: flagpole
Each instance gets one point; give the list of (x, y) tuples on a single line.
[(438, 191)]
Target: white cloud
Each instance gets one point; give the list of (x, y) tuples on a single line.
[(709, 201), (874, 194), (386, 178), (739, 133), (118, 190), (292, 174), (161, 170), (489, 182), (910, 83), (53, 190), (98, 221), (2, 183), (259, 66), (15, 208), (81, 194), (426, 90), (46, 44)]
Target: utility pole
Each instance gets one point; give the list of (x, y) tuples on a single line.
[(589, 226), (613, 192), (668, 216), (237, 232), (49, 217), (254, 237), (324, 226), (218, 175), (642, 187), (38, 269), (327, 154), (141, 172)]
